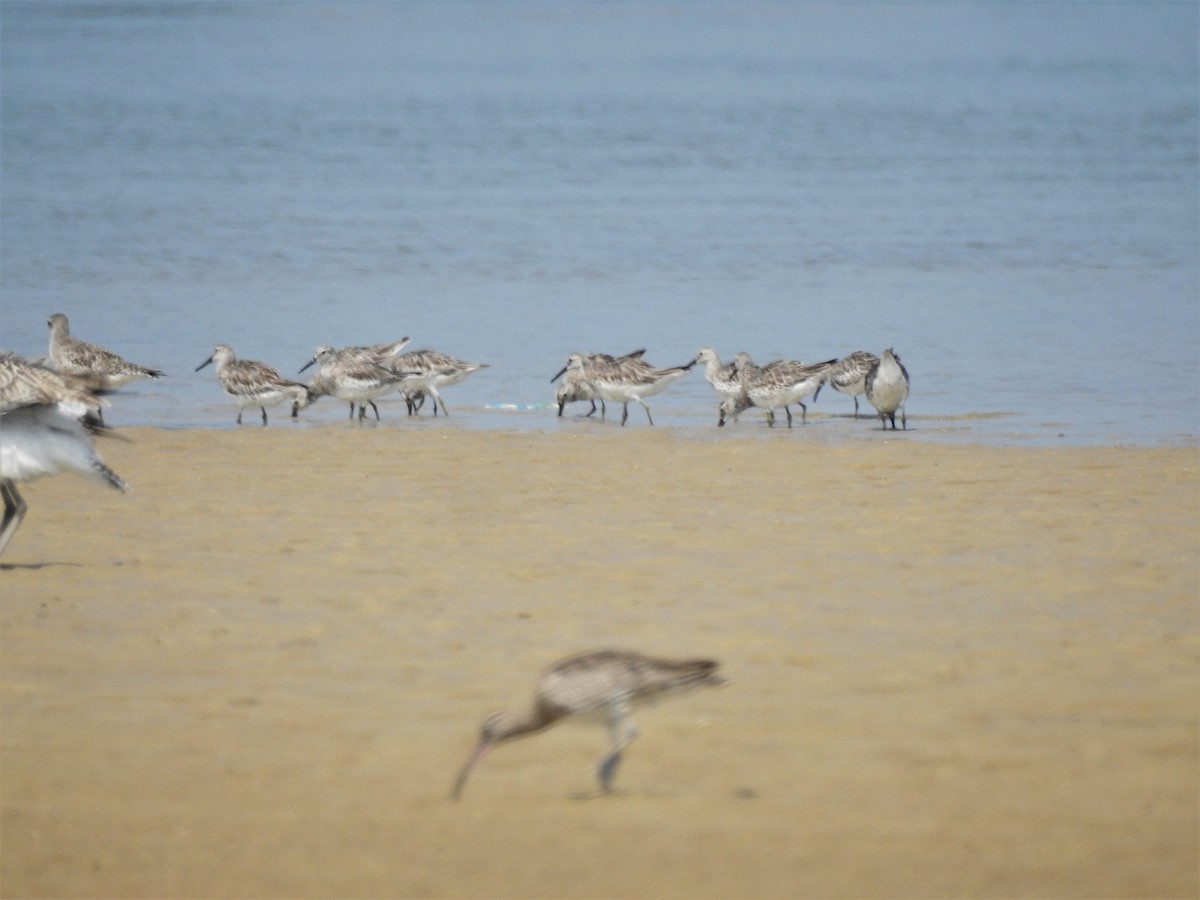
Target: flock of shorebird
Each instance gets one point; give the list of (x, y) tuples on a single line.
[(739, 384), (51, 411)]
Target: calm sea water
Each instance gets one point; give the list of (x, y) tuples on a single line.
[(1006, 193)]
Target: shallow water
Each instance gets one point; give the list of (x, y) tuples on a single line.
[(1006, 194)]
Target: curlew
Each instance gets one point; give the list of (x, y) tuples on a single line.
[(604, 683)]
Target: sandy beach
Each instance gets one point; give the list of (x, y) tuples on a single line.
[(957, 671)]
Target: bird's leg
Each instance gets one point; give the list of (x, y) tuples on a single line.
[(625, 413), (263, 409), (14, 512), (856, 407), (352, 409), (804, 414), (376, 408), (438, 401), (603, 408), (770, 418), (788, 410), (593, 412), (903, 419), (622, 732), (645, 407), (239, 419)]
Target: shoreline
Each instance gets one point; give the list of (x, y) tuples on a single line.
[(957, 669)]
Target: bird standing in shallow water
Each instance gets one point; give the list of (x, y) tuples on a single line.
[(575, 387), (849, 374), (605, 682), (100, 369), (251, 383), (623, 379), (887, 389), (351, 374), (782, 383)]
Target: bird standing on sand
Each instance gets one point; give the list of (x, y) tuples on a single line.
[(887, 389), (47, 422), (251, 383), (100, 369), (604, 682)]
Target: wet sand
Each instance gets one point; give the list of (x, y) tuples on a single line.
[(958, 671)]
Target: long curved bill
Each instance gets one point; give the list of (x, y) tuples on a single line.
[(560, 372), (477, 754)]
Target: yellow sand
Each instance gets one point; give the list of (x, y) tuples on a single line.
[(958, 671)]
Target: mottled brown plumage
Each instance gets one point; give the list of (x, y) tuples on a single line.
[(605, 682)]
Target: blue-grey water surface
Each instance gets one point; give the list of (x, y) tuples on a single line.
[(1006, 193)]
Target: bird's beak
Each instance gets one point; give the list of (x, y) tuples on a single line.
[(556, 377), (307, 364), (477, 754), (203, 364)]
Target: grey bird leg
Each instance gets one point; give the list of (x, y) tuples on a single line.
[(645, 407), (264, 412), (622, 732)]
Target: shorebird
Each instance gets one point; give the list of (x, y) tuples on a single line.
[(784, 382), (425, 371), (352, 374), (47, 423), (732, 407), (727, 380), (251, 383), (100, 369), (575, 387), (623, 380), (849, 374), (604, 683), (887, 389)]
